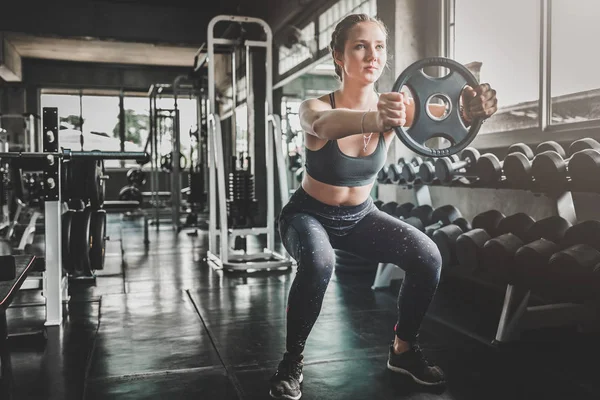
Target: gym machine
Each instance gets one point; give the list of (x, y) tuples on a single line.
[(51, 161), (221, 256), (32, 139)]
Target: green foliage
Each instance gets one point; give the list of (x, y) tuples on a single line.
[(71, 122), (136, 125)]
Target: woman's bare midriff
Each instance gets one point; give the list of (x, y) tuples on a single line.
[(335, 195)]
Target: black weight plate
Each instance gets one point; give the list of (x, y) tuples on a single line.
[(67, 261), (424, 87), (97, 239), (79, 243)]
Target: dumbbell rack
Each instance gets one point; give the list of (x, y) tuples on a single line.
[(517, 315)]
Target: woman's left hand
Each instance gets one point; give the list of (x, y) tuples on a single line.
[(479, 102)]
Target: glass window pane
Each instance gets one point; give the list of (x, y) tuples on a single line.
[(574, 78), (509, 56)]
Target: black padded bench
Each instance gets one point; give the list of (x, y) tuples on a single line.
[(13, 272)]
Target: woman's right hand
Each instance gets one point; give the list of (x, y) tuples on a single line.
[(391, 111)]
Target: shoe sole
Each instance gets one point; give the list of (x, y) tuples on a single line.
[(414, 378), (286, 397)]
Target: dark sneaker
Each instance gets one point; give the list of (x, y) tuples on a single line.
[(413, 364), (285, 384)]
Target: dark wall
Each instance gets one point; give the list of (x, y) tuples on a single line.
[(53, 73)]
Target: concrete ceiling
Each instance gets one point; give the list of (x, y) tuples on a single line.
[(101, 51)]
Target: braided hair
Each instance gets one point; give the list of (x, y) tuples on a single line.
[(340, 35)]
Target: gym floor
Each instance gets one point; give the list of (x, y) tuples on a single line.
[(164, 325)]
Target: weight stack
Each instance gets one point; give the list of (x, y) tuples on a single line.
[(346, 262), (241, 204), (196, 184)]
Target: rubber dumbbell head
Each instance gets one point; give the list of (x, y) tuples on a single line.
[(403, 210), (531, 261), (490, 169), (409, 170), (394, 173), (468, 245), (583, 144), (442, 216), (499, 253), (584, 170), (568, 271), (550, 169), (446, 170), (517, 170), (445, 239), (550, 145), (427, 170), (382, 175), (389, 207)]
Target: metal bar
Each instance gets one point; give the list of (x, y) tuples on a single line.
[(279, 158), (212, 195), (545, 83), (255, 43), (221, 190), (227, 42), (249, 109), (269, 139)]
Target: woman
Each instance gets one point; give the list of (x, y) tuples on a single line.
[(347, 134)]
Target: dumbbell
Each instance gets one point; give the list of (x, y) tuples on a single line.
[(517, 167), (489, 168), (583, 144), (573, 274), (419, 216), (499, 253), (382, 175), (487, 225), (394, 173), (378, 204), (410, 170), (442, 216), (550, 169), (532, 261), (584, 170), (389, 207), (445, 239), (427, 170), (550, 145), (445, 169), (403, 210)]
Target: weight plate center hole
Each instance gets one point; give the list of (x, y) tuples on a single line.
[(441, 102)]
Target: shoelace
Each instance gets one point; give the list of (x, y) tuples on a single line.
[(290, 368), (420, 356)]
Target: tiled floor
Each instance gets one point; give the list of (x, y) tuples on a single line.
[(161, 324)]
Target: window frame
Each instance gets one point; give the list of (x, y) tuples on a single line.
[(544, 130)]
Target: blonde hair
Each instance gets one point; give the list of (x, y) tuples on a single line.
[(340, 34)]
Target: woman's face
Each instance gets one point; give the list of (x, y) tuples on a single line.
[(364, 53)]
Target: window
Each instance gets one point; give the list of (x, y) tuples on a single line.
[(329, 18), (504, 38), (100, 115), (575, 82), (297, 53)]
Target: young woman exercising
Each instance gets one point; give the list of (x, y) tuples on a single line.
[(347, 134)]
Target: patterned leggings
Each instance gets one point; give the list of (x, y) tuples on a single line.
[(310, 230)]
